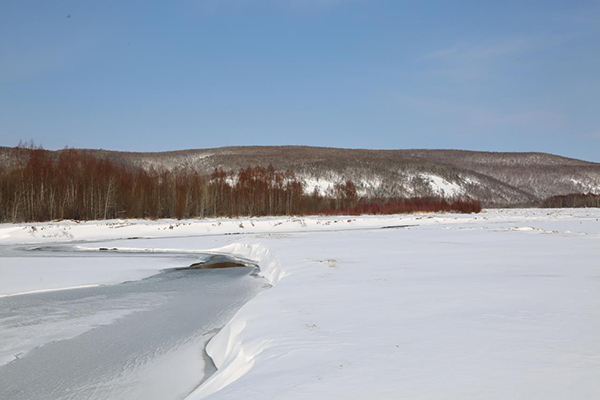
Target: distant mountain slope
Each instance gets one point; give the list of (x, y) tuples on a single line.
[(500, 178)]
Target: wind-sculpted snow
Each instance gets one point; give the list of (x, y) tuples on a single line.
[(232, 356)]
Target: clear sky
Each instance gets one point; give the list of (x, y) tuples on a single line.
[(165, 75)]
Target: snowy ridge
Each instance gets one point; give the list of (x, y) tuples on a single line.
[(493, 178), (412, 184), (233, 358), (442, 187)]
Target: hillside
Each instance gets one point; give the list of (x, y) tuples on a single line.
[(493, 178)]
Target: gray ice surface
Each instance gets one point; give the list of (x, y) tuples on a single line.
[(136, 340)]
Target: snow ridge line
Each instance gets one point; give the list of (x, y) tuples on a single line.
[(233, 358)]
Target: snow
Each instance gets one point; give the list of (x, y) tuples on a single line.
[(470, 180), (586, 186), (502, 304), (322, 186), (442, 187), (365, 186)]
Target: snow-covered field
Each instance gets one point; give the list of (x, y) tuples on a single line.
[(500, 305)]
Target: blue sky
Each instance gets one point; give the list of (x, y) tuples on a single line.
[(152, 76)]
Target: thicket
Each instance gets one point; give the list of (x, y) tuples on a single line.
[(410, 205), (573, 200), (38, 185)]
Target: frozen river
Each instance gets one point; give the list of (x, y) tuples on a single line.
[(142, 339)]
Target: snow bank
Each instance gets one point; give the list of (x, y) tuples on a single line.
[(505, 305), (270, 268), (232, 356)]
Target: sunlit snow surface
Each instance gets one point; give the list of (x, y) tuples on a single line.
[(500, 305)]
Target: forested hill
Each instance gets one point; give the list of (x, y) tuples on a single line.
[(493, 178)]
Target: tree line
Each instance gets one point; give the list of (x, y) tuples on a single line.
[(573, 200), (37, 185)]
